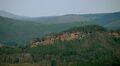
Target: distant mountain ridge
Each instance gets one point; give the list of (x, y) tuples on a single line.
[(12, 16), (100, 18)]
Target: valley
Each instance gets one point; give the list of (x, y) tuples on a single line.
[(20, 31)]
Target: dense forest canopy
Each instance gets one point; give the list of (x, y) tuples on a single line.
[(100, 47)]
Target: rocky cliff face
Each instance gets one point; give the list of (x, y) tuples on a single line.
[(67, 36)]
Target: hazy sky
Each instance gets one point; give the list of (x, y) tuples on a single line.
[(37, 8)]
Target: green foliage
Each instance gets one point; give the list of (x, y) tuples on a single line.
[(96, 49), (9, 50), (87, 28), (78, 52)]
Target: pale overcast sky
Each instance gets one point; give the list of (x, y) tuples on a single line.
[(35, 8)]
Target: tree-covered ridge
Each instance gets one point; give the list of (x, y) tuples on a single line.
[(70, 34), (98, 47), (87, 29)]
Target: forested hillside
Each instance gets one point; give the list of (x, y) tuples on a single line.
[(98, 47)]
